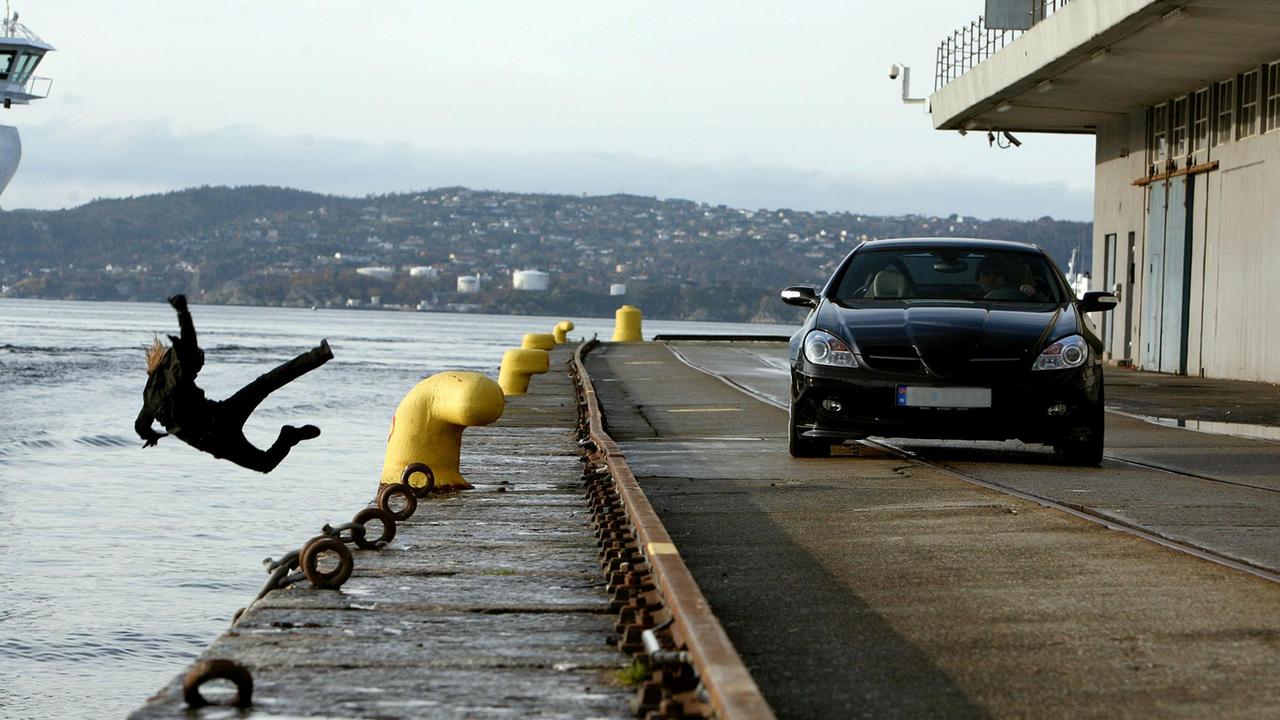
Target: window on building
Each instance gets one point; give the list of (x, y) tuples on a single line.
[(1224, 109), (1178, 131), (1159, 133), (1200, 120), (1272, 118), (1247, 121)]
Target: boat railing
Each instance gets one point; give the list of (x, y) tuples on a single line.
[(35, 88), (11, 28)]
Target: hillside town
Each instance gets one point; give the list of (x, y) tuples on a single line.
[(457, 249)]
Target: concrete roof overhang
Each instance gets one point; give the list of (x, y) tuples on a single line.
[(1106, 58)]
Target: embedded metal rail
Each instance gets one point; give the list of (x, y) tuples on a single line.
[(1080, 511), (654, 591)]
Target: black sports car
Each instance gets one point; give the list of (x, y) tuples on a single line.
[(947, 338)]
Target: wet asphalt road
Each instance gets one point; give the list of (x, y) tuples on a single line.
[(869, 586)]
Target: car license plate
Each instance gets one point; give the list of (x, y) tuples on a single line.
[(945, 397)]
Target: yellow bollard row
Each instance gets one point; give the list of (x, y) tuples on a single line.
[(427, 425)]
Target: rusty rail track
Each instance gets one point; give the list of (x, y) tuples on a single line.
[(701, 674)]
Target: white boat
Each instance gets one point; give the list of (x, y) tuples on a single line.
[(20, 53)]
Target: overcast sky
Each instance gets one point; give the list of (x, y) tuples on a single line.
[(751, 104)]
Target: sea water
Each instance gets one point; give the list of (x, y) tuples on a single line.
[(119, 564)]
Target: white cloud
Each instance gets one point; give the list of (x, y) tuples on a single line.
[(66, 164)]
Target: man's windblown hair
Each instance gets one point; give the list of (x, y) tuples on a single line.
[(155, 353)]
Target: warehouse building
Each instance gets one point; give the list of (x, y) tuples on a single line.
[(1183, 98)]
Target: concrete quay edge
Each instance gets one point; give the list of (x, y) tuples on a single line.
[(731, 689)]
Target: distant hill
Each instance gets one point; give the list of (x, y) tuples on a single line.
[(277, 246)]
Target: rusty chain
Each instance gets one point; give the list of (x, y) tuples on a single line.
[(394, 503)]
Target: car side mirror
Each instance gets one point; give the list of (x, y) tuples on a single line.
[(1098, 302), (800, 296)]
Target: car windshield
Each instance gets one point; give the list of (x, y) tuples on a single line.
[(949, 274)]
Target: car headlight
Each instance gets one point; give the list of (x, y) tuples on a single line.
[(1069, 352), (823, 348)]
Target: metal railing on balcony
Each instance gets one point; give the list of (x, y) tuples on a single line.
[(975, 42)]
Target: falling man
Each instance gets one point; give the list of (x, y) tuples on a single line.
[(216, 427)]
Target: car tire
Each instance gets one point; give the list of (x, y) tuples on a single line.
[(1084, 447), (800, 447)]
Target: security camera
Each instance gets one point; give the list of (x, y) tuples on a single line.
[(894, 70)]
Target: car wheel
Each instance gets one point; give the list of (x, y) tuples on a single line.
[(1084, 446), (804, 448)]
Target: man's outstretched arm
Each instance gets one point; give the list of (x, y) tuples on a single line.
[(142, 426), (179, 303)]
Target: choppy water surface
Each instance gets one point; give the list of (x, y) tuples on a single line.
[(117, 564)]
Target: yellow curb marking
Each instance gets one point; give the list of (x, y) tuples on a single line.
[(660, 549)]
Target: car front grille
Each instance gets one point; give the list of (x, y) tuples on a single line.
[(905, 360), (894, 358)]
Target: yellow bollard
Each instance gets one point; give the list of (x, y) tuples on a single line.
[(626, 326), (538, 341), (518, 366), (562, 330), (428, 424)]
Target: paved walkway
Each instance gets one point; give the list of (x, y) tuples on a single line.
[(872, 587), (1220, 403), (489, 604)]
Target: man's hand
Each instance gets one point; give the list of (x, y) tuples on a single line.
[(179, 302), (155, 437)]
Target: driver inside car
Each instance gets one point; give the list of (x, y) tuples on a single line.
[(1006, 279)]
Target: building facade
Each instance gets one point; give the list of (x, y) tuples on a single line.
[(1183, 98)]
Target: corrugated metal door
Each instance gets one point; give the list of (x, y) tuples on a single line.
[(1167, 258), (1175, 305), (1153, 283)]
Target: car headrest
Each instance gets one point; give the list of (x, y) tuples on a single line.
[(888, 284)]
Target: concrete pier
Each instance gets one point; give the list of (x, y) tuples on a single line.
[(869, 584), (489, 603), (866, 585)]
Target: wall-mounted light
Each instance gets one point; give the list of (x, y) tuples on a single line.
[(970, 124), (1004, 106), (1045, 86)]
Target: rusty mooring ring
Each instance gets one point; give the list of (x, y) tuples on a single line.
[(310, 561), (387, 492), (388, 527), (206, 670), (412, 469)]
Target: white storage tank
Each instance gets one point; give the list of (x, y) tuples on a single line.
[(534, 280), (424, 271), (468, 284), (381, 273), (618, 289)]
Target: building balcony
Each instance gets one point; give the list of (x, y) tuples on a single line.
[(1081, 63)]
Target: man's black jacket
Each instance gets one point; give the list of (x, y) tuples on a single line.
[(171, 395)]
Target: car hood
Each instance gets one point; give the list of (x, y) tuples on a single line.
[(946, 337)]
